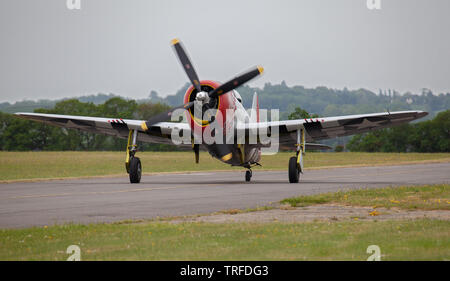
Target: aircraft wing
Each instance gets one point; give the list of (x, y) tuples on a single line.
[(316, 128), (158, 133), (331, 127)]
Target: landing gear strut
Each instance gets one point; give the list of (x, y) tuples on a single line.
[(296, 162), (248, 173), (132, 163)]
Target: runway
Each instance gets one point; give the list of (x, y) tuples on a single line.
[(115, 199)]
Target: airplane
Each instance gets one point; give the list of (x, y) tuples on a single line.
[(206, 105)]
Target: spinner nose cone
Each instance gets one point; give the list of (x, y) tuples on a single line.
[(202, 96)]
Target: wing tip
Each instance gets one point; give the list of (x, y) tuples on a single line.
[(421, 114), (22, 114)]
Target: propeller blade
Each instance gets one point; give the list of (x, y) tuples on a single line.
[(186, 63), (165, 116), (236, 82), (193, 77), (222, 151)]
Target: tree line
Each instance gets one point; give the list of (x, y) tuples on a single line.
[(426, 136), (19, 134), (319, 100), (327, 101)]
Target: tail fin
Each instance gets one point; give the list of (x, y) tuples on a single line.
[(254, 113)]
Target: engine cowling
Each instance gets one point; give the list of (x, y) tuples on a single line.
[(219, 104)]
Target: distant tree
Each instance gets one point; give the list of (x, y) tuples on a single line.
[(153, 95), (147, 110), (119, 108), (339, 148), (301, 114)]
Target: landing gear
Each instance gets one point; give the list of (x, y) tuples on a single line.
[(135, 170), (132, 163), (294, 171), (248, 175), (296, 162)]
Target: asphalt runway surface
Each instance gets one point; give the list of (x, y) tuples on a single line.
[(93, 200)]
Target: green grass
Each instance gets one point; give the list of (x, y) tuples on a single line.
[(45, 165), (428, 197), (402, 240)]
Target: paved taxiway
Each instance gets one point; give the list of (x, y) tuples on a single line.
[(113, 199)]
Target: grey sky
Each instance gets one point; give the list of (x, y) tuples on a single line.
[(118, 46)]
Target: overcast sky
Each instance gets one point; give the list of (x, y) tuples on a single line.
[(122, 47)]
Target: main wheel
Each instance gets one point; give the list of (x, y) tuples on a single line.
[(294, 172), (135, 170), (248, 175)]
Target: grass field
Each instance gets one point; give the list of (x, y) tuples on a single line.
[(424, 239), (428, 197), (402, 240), (46, 165)]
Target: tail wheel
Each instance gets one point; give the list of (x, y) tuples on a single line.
[(135, 170), (294, 172), (248, 175)]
